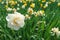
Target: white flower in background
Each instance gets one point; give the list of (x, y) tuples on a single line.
[(33, 36), (7, 2), (30, 10), (58, 4), (27, 16), (14, 9), (2, 2), (15, 21), (18, 8), (40, 12), (58, 34), (18, 4), (55, 30), (46, 5), (9, 9), (35, 13), (23, 6)]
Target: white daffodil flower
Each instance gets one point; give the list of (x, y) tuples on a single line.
[(23, 6), (30, 10), (9, 9), (15, 21), (58, 34), (55, 30)]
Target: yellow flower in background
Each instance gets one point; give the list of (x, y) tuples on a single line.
[(41, 5), (24, 5), (15, 21), (58, 4), (39, 0), (49, 2), (41, 12), (23, 1), (32, 5), (52, 0), (0, 0), (6, 6), (13, 2), (43, 0)]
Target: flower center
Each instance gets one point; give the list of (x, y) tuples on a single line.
[(15, 21)]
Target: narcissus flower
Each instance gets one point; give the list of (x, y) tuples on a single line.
[(24, 5), (9, 9), (30, 10), (27, 16), (58, 34), (55, 30), (46, 5), (40, 12), (18, 8), (15, 21)]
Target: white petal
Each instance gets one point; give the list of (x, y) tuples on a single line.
[(22, 24), (13, 27), (16, 28), (9, 25), (9, 17)]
